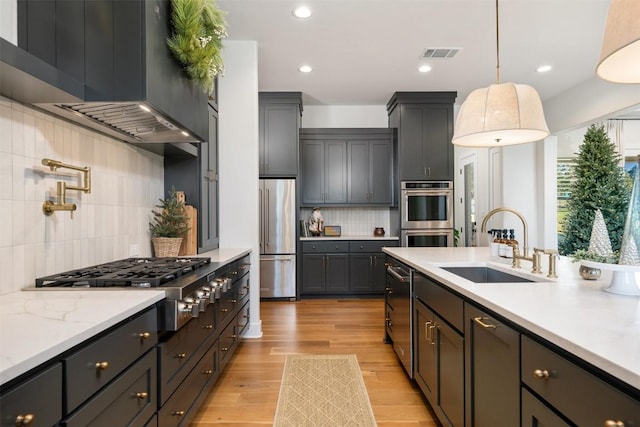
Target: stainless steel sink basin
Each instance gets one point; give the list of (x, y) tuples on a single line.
[(482, 274)]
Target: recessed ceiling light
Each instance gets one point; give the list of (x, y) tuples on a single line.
[(302, 12), (424, 68), (543, 68), (305, 69)]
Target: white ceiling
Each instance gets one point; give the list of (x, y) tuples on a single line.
[(362, 51)]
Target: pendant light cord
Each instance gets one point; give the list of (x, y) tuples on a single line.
[(497, 45)]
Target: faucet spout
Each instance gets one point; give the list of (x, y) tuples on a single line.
[(483, 227)]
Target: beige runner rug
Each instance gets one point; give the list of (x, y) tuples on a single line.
[(323, 390)]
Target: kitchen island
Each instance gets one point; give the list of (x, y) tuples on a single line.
[(577, 334)]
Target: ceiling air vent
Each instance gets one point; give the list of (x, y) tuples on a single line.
[(441, 52)]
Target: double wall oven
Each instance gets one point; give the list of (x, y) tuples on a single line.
[(426, 213)]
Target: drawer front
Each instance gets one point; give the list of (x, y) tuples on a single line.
[(537, 414), (325, 247), (180, 408), (115, 351), (445, 303), (182, 351), (131, 400), (370, 245), (228, 306), (243, 265), (578, 394), (242, 290), (228, 341), (243, 318), (39, 397), (153, 422)]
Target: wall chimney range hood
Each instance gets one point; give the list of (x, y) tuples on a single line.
[(133, 88)]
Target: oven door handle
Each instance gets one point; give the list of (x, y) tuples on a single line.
[(398, 276)]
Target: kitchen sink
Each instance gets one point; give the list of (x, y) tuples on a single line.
[(483, 274)]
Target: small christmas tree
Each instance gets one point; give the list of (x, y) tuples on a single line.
[(629, 254), (600, 244), (600, 184)]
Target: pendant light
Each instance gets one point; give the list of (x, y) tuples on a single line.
[(501, 114), (620, 56)]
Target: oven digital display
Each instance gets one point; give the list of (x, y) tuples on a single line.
[(427, 208)]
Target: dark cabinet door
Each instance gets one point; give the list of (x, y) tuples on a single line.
[(279, 139), (438, 149), (313, 273), (493, 373), (439, 365), (312, 172), (208, 215), (337, 273), (360, 272), (425, 351), (378, 272), (411, 143), (380, 173), (335, 172), (359, 172)]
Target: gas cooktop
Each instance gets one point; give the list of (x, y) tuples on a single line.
[(130, 272)]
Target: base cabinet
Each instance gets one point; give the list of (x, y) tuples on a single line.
[(492, 358), (537, 414)]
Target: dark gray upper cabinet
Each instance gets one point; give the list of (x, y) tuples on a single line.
[(347, 166), (279, 122), (424, 125), (209, 236)]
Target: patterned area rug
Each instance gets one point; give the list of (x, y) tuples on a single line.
[(323, 390)]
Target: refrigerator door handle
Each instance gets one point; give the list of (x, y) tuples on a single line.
[(278, 258), (261, 219), (267, 219)]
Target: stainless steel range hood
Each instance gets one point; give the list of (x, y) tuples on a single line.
[(132, 87)]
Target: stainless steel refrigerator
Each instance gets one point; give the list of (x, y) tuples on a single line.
[(277, 238)]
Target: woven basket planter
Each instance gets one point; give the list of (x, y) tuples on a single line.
[(166, 246)]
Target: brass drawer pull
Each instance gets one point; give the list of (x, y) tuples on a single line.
[(541, 374), (24, 420), (177, 413), (102, 366), (427, 330), (142, 395), (480, 321), (144, 335), (613, 423), (181, 355)]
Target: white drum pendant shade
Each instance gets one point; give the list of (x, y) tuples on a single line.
[(620, 56), (499, 115)]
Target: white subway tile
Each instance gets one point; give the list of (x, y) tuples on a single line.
[(19, 280), (19, 223), (6, 266), (6, 140), (17, 130), (29, 134)]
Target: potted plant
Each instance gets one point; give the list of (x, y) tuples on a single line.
[(168, 226)]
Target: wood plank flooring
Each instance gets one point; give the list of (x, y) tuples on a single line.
[(246, 394)]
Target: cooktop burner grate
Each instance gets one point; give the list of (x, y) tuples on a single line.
[(136, 272)]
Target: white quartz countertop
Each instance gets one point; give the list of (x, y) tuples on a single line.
[(36, 326), (39, 324), (575, 314), (349, 237)]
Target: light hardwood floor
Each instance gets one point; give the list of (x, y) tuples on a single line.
[(246, 393)]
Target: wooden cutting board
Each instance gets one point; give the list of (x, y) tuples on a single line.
[(190, 241)]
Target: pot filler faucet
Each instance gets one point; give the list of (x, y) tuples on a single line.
[(535, 258)]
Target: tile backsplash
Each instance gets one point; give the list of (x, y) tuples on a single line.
[(353, 221), (110, 223)]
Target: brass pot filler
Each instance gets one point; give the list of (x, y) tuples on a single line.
[(49, 207)]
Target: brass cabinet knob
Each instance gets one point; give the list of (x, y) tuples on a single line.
[(207, 372), (225, 349), (208, 326), (24, 420), (144, 335), (541, 374), (142, 395), (234, 336), (613, 423), (177, 413), (224, 310), (102, 366), (181, 355)]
